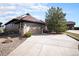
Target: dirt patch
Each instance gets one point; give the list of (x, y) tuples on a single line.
[(7, 41), (8, 44)]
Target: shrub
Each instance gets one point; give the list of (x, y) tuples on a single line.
[(27, 34)]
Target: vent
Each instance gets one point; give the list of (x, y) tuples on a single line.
[(27, 14)]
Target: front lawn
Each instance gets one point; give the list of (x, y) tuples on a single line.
[(73, 35)]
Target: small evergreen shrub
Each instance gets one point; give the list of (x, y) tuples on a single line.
[(27, 34)]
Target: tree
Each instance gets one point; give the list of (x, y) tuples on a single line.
[(55, 20)]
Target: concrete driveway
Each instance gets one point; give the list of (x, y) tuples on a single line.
[(47, 45)]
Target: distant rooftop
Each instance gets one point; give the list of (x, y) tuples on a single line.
[(70, 22)]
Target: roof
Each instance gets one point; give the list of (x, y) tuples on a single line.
[(70, 22), (27, 18)]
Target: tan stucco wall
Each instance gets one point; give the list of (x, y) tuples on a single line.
[(26, 27), (32, 27)]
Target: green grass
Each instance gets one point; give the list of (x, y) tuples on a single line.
[(73, 35)]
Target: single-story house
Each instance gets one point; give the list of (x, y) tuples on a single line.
[(28, 23), (70, 25), (25, 23)]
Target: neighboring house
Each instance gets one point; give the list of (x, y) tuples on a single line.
[(25, 23), (70, 25)]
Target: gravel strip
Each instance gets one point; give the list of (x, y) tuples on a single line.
[(6, 48)]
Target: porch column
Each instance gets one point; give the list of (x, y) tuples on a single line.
[(20, 29)]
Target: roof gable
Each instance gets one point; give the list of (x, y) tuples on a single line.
[(28, 18)]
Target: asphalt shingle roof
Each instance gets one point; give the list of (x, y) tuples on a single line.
[(29, 18)]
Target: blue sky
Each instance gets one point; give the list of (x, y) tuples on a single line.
[(11, 10)]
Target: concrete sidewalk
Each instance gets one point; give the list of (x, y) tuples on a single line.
[(47, 45)]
